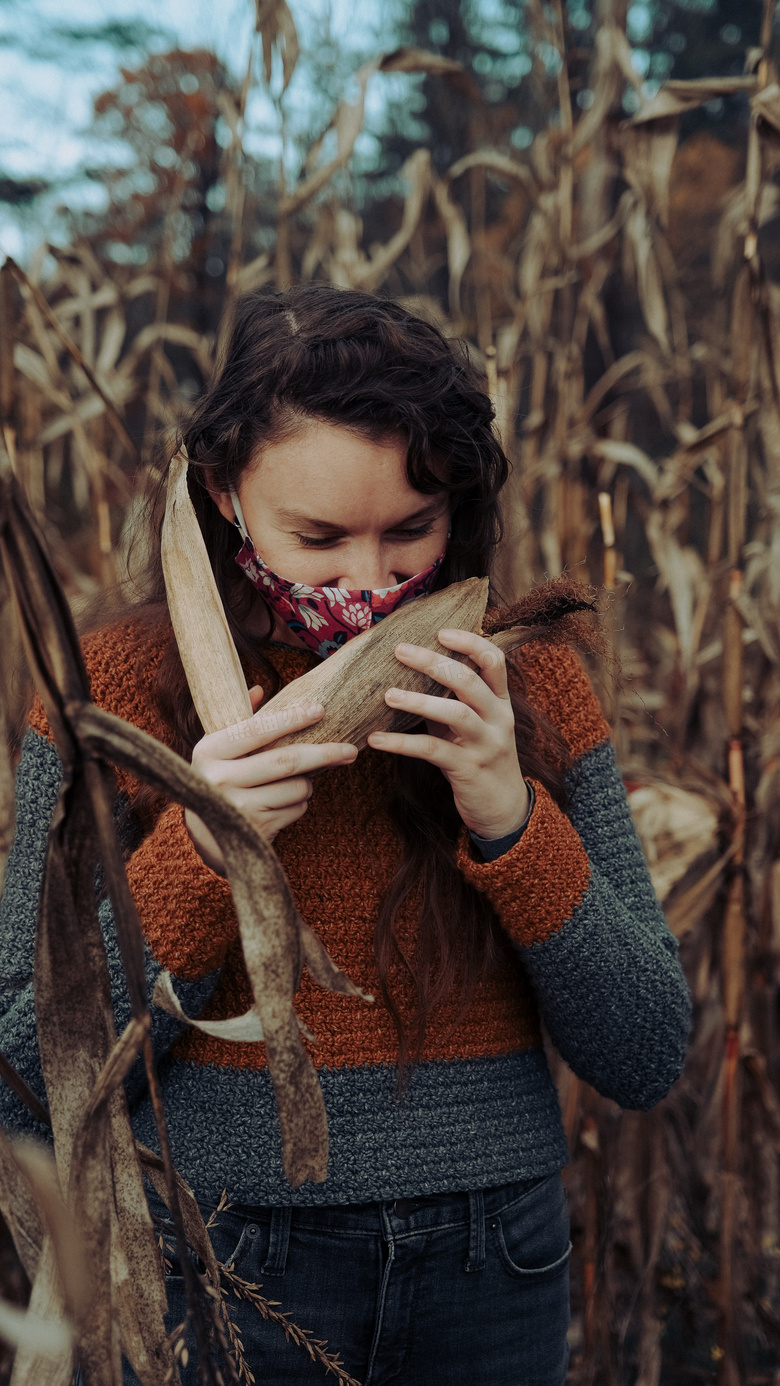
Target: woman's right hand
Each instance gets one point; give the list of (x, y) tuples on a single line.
[(271, 787)]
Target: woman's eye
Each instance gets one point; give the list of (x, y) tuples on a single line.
[(418, 533), (308, 541)]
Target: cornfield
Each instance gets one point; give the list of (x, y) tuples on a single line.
[(651, 468)]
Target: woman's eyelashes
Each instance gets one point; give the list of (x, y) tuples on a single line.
[(308, 541)]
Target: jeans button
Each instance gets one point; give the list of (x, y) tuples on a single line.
[(403, 1207), (252, 1230)]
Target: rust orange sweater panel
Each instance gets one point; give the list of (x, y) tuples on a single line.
[(339, 859)]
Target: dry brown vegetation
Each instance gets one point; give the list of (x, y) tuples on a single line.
[(620, 296)]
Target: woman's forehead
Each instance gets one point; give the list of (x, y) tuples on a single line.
[(327, 470)]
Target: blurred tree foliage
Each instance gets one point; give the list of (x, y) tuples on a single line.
[(173, 156)]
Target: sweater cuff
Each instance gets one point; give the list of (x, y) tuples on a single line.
[(491, 848), (536, 886), (186, 909)]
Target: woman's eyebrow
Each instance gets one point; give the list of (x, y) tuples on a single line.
[(297, 518)]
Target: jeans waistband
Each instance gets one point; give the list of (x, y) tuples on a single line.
[(404, 1214)]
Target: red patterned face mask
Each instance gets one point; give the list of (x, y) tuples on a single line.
[(325, 618)]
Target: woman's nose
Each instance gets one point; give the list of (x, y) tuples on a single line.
[(367, 569)]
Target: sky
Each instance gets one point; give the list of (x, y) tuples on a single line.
[(49, 78)]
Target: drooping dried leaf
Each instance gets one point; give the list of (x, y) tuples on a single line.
[(268, 920), (194, 1226), (407, 59), (347, 122), (638, 237), (240, 1029), (277, 29), (415, 173), (649, 150), (676, 97)]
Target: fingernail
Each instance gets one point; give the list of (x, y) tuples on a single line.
[(313, 709), (394, 695), (377, 738)]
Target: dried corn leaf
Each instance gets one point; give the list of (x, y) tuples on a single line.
[(240, 1029), (50, 1242), (677, 828), (351, 684), (268, 920), (104, 297), (766, 106), (415, 173), (157, 332), (649, 149), (612, 68), (111, 342), (616, 453), (72, 993), (677, 97), (650, 289), (253, 275), (194, 1226), (277, 29), (47, 1337), (495, 162), (31, 1366), (684, 577), (458, 241), (407, 59), (685, 910), (206, 646), (347, 123)]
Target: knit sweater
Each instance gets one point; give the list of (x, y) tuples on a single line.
[(585, 948)]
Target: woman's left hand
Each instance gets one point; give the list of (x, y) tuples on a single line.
[(471, 736)]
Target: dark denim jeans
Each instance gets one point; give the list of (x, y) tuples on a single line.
[(446, 1291)]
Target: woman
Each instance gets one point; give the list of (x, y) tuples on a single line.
[(478, 876)]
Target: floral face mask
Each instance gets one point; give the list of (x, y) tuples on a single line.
[(325, 618)]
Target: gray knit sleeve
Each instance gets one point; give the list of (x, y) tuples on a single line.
[(610, 986), (37, 786)]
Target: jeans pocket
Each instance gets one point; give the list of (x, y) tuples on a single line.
[(229, 1237), (531, 1236)]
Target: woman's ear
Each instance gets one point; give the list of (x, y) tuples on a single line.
[(223, 503)]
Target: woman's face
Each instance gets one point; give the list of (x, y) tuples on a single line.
[(330, 508)]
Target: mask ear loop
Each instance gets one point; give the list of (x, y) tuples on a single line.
[(239, 521)]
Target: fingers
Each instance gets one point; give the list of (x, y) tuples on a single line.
[(450, 712), (474, 689), (490, 661), (418, 747), (258, 731), (286, 793), (267, 767)]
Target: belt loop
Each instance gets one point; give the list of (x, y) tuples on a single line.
[(476, 1256), (278, 1241)]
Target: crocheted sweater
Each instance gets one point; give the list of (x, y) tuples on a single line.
[(585, 946)]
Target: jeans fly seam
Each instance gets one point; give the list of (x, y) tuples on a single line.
[(380, 1312)]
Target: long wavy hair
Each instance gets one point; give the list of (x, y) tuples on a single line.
[(367, 364)]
